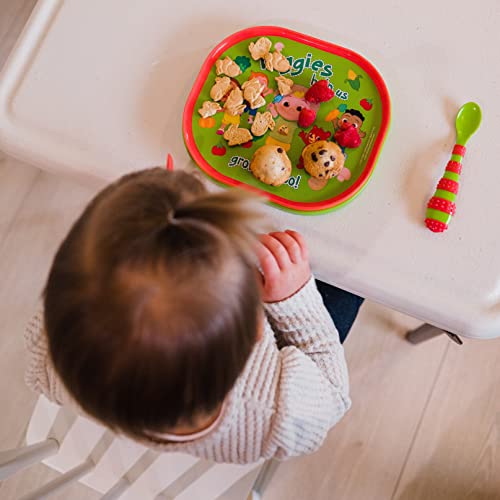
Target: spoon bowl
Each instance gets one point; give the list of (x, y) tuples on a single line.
[(467, 122)]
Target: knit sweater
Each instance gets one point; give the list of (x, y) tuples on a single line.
[(293, 389)]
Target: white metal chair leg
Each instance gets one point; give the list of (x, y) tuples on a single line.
[(263, 479), (61, 482), (12, 461), (117, 490)]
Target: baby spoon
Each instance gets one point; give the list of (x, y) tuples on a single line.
[(441, 206)]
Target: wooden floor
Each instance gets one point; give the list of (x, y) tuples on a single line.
[(425, 421)]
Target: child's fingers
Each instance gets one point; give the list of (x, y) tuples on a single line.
[(291, 245), (301, 241), (277, 249), (267, 262)]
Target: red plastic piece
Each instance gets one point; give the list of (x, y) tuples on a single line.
[(441, 204), (459, 150), (454, 166), (170, 162), (306, 118), (448, 185), (348, 137), (436, 226), (319, 92)]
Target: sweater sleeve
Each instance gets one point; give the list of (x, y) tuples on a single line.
[(40, 375), (313, 388)]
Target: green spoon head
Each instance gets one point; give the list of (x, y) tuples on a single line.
[(467, 122)]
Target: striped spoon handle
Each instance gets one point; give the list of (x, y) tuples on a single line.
[(441, 206)]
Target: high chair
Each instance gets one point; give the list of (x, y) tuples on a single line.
[(117, 467)]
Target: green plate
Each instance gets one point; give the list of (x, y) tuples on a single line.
[(360, 95)]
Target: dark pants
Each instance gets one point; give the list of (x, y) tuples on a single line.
[(343, 306)]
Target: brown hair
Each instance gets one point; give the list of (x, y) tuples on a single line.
[(151, 304)]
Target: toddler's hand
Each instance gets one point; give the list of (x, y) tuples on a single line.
[(284, 262)]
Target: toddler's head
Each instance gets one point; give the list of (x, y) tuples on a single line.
[(151, 304)]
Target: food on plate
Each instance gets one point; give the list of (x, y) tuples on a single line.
[(276, 61), (284, 85), (260, 48), (227, 67), (323, 159), (220, 88), (271, 165), (319, 92), (262, 123), (252, 92), (234, 105), (236, 135), (209, 108)]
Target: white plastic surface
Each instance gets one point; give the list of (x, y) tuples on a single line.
[(97, 89)]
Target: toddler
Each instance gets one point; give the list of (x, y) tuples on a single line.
[(167, 319)]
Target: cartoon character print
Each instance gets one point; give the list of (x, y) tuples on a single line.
[(347, 129), (228, 119), (315, 134), (264, 81), (286, 111)]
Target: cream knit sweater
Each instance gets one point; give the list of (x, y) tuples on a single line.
[(293, 389)]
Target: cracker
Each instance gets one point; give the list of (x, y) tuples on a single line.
[(235, 135), (234, 104), (209, 108), (276, 61), (284, 85), (280, 62), (268, 58), (220, 88), (252, 93), (227, 67), (262, 123), (260, 48), (283, 130)]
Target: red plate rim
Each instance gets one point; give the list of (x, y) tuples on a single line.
[(258, 31)]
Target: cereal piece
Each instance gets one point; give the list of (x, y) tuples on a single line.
[(235, 135), (209, 108), (283, 130), (258, 103), (271, 165), (262, 123), (280, 62), (260, 48), (252, 93), (323, 159), (268, 58), (234, 104), (227, 67), (276, 61), (219, 90), (284, 85)]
